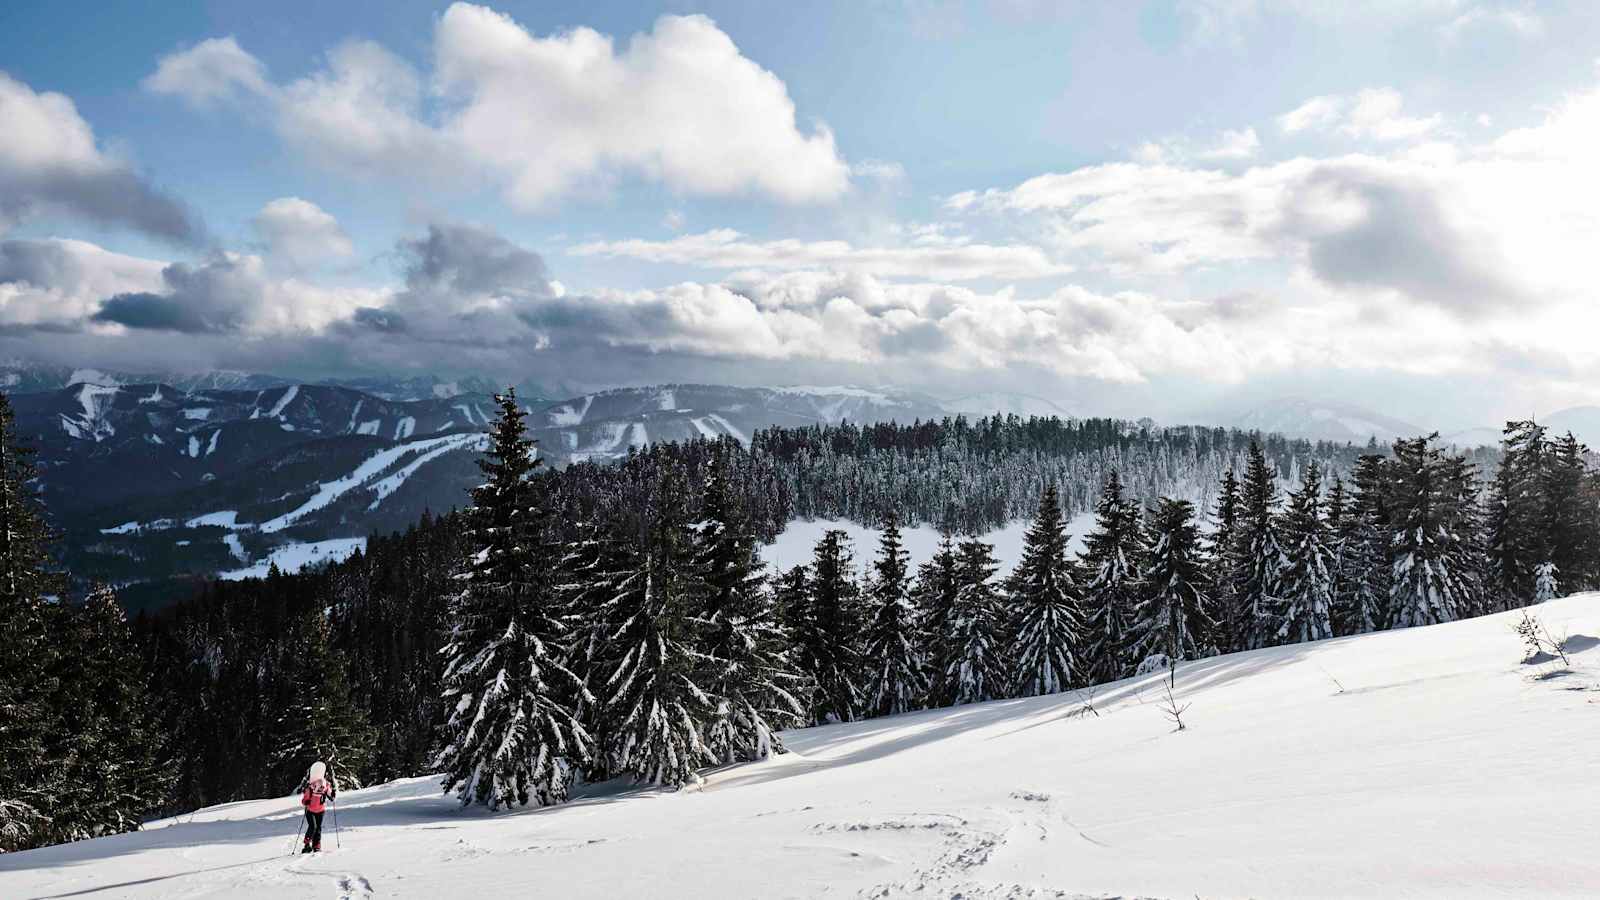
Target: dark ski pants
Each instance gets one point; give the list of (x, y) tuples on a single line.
[(314, 830)]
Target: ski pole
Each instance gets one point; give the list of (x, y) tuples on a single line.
[(297, 833), (336, 842)]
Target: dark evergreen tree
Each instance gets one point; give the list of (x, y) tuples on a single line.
[(319, 720), (1308, 579), (1431, 572), (745, 651), (1047, 634), (936, 592), (1227, 566), (655, 706), (104, 774), (973, 668), (897, 678), (1112, 559), (1518, 539), (1364, 536), (27, 717), (1260, 550), (828, 631), (513, 734), (1172, 618), (1571, 513)]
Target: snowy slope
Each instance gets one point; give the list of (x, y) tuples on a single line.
[(1420, 763)]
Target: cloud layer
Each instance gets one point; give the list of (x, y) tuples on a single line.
[(50, 164), (543, 117)]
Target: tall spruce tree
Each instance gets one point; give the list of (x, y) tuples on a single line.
[(1172, 618), (513, 734), (1571, 505), (828, 631), (1260, 549), (320, 720), (897, 678), (656, 705), (937, 588), (1518, 538), (1431, 571), (1112, 559), (1226, 565), (973, 668), (104, 775), (750, 675), (1047, 632), (1364, 535), (1308, 577), (27, 719)]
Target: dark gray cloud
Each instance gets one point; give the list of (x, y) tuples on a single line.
[(50, 165), (465, 260), (216, 296)]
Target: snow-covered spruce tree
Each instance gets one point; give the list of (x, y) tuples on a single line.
[(319, 720), (587, 577), (1546, 586), (1112, 560), (655, 708), (1307, 588), (935, 592), (1046, 634), (27, 721), (1571, 501), (104, 774), (1431, 568), (973, 668), (1517, 534), (828, 631), (748, 668), (512, 733), (1226, 565), (896, 673), (1171, 618), (1260, 590), (1361, 600)]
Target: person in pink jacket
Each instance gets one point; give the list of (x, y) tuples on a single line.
[(316, 792)]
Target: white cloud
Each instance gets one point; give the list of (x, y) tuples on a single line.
[(210, 71), (1234, 145), (50, 163), (300, 233), (1520, 22), (884, 170), (542, 117), (1371, 114), (931, 257), (58, 283)]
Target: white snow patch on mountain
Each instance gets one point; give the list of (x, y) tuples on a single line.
[(329, 491), (704, 429), (386, 486), (289, 393), (197, 413), (406, 427), (227, 518), (92, 376), (565, 416), (368, 427), (194, 447), (1422, 763), (795, 544), (641, 438), (294, 557), (728, 427)]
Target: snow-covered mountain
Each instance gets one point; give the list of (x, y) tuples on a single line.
[(1422, 763), (1315, 419), (1004, 402)]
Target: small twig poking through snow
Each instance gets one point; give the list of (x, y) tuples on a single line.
[(1086, 707), (1336, 682), (1171, 709), (1539, 642)]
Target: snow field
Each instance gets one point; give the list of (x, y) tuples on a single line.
[(1417, 763)]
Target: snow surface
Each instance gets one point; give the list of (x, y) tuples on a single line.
[(795, 544), (1419, 763), (727, 426), (565, 415), (392, 483), (404, 428), (289, 394), (293, 557), (227, 518)]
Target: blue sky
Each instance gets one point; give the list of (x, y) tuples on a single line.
[(1137, 208)]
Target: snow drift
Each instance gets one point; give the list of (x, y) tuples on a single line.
[(1428, 762)]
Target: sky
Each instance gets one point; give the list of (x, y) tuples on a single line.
[(1144, 208)]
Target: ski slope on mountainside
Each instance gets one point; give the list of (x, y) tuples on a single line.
[(1419, 763)]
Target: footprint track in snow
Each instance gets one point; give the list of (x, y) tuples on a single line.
[(353, 886)]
